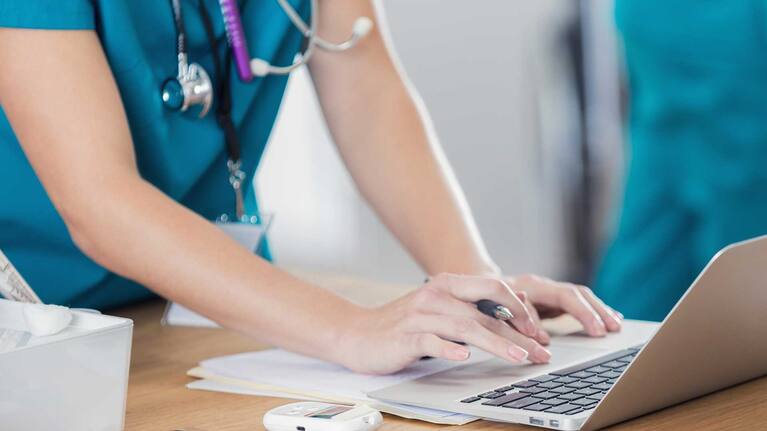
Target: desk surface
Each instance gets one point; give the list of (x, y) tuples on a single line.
[(158, 399)]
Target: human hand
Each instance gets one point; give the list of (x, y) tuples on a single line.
[(547, 298), (388, 338)]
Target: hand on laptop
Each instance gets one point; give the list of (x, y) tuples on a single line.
[(388, 338), (547, 298), (430, 320)]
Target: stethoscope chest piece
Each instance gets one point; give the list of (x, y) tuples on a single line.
[(191, 87)]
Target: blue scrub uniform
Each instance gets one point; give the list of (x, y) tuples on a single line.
[(180, 154), (697, 176)]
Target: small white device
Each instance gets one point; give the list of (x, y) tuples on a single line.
[(317, 416)]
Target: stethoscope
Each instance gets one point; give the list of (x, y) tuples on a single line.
[(192, 85)]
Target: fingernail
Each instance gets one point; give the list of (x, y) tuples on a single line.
[(599, 329), (543, 336), (517, 353), (616, 324), (459, 354), (541, 354)]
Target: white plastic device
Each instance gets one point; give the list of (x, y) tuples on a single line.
[(317, 416)]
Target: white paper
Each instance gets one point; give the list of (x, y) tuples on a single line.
[(210, 385), (299, 373), (438, 416), (178, 315)]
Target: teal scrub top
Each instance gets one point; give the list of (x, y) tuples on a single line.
[(697, 172), (180, 154)]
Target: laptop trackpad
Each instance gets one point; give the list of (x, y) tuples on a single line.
[(498, 372), (474, 378)]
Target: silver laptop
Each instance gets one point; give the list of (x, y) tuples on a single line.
[(715, 337)]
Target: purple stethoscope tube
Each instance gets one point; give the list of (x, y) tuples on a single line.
[(236, 37)]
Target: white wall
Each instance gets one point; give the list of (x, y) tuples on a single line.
[(477, 66)]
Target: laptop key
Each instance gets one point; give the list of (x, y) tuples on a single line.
[(537, 407), (614, 364), (581, 375), (546, 395), (582, 366), (533, 390), (504, 388), (563, 409), (505, 399), (491, 395), (597, 397), (587, 391), (610, 374), (598, 369), (620, 369), (565, 380), (626, 359), (554, 402), (572, 412), (579, 385), (602, 386), (583, 402), (595, 379), (570, 397), (562, 390), (525, 384), (544, 378), (470, 399), (521, 403), (549, 385)]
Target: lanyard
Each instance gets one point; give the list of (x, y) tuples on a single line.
[(222, 75)]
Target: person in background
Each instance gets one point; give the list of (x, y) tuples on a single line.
[(108, 197), (697, 176)]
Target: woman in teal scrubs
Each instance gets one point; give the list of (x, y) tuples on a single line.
[(698, 146), (107, 195)]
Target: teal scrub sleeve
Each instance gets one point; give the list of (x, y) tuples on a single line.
[(47, 14)]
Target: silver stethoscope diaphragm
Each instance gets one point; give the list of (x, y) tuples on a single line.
[(192, 86)]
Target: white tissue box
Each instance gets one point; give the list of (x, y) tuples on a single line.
[(74, 380)]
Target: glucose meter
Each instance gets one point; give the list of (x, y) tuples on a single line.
[(317, 416)]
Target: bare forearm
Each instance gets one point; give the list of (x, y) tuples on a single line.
[(386, 141), (148, 238), (401, 170)]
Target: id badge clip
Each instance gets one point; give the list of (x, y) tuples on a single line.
[(249, 230)]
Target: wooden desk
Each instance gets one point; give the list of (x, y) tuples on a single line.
[(159, 401)]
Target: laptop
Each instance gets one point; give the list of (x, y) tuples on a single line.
[(715, 337)]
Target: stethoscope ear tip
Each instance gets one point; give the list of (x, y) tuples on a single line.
[(259, 67)]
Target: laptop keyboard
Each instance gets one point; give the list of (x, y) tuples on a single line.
[(568, 391)]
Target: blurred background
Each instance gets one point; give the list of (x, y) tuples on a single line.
[(526, 100)]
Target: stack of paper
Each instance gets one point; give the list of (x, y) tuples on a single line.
[(283, 374)]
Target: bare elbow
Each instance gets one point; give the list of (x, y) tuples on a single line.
[(76, 221)]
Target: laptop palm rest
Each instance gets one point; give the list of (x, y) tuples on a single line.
[(444, 389)]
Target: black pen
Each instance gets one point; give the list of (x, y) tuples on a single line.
[(490, 308), (494, 309)]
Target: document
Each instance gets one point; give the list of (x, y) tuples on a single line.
[(280, 373)]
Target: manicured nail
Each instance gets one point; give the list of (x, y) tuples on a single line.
[(541, 354), (599, 329), (517, 353), (616, 324), (459, 354), (543, 336)]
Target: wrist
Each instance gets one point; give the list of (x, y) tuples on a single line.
[(482, 268), (344, 334)]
